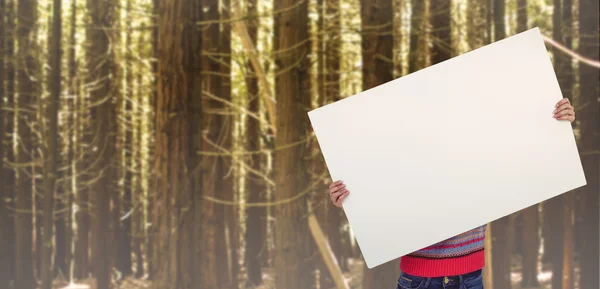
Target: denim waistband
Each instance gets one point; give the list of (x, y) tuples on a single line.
[(455, 279), (467, 275)]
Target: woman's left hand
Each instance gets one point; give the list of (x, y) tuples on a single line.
[(564, 110)]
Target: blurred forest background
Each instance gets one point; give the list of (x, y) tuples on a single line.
[(165, 143)]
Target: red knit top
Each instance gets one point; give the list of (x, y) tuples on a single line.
[(458, 255)]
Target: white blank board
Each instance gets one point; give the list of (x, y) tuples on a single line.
[(448, 148)]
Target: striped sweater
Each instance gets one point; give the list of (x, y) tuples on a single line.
[(458, 255)]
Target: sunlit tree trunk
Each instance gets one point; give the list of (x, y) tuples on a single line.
[(477, 23), (399, 11), (589, 117), (71, 161), (136, 163), (81, 251), (417, 36), (123, 227), (328, 25), (228, 269), (27, 92), (292, 87), (378, 68), (522, 18), (151, 230)]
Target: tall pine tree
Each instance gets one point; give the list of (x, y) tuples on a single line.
[(175, 153), (5, 219), (52, 153), (100, 65), (27, 70), (292, 238)]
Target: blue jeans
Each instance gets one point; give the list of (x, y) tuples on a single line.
[(471, 280)]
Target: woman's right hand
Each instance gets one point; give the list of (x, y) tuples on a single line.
[(337, 193)]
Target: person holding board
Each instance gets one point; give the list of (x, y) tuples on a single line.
[(455, 263)]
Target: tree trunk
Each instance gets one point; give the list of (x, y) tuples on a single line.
[(477, 23), (197, 249), (292, 86), (320, 200), (521, 15), (332, 92), (60, 225), (5, 261), (589, 116), (488, 280), (229, 269), (136, 164), (501, 253), (398, 38), (214, 167), (71, 161), (441, 33), (100, 65), (378, 67), (499, 21), (52, 154), (417, 36), (255, 188), (9, 174), (175, 155), (123, 227), (37, 190), (568, 265), (82, 265), (27, 91), (530, 242), (151, 205)]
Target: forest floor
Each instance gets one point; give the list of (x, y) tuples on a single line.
[(353, 277)]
